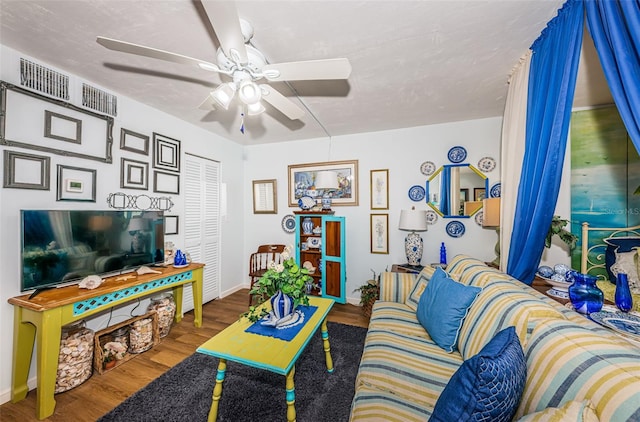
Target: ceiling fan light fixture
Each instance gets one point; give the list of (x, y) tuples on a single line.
[(255, 109), (223, 95), (249, 92)]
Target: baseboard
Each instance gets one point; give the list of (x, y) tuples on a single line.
[(5, 396), (232, 290)]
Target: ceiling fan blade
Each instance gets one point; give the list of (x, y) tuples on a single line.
[(208, 104), (226, 23), (308, 70), (282, 103), (154, 53)]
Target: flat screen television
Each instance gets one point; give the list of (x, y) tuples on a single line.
[(61, 247)]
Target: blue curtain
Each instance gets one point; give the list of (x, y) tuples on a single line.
[(445, 181), (615, 29), (552, 79)]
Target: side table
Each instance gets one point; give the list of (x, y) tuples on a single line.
[(406, 268)]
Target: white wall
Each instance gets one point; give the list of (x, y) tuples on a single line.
[(400, 151), (143, 119)]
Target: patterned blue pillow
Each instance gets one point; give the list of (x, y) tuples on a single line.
[(488, 386)]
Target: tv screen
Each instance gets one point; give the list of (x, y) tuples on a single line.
[(60, 247)]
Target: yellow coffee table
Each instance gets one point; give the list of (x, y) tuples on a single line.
[(265, 352)]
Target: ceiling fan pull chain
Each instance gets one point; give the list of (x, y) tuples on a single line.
[(242, 123)]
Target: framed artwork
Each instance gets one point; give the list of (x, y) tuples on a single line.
[(61, 127), (134, 142), (26, 171), (166, 153), (380, 233), (164, 182), (76, 184), (170, 224), (479, 194), (302, 182), (265, 197), (464, 195), (134, 174), (380, 189), (53, 126)]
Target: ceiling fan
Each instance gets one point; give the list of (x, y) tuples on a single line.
[(244, 64)]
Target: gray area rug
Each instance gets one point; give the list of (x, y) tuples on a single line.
[(184, 392)]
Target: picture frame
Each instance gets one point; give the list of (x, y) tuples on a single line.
[(166, 153), (379, 233), (164, 182), (379, 189), (464, 195), (134, 142), (171, 224), (61, 127), (53, 126), (26, 171), (265, 196), (134, 174), (76, 184), (301, 178), (479, 194)]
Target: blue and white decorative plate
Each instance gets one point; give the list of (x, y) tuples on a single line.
[(432, 217), (306, 202), (455, 229), (495, 191), (479, 215), (457, 154), (486, 164), (289, 223), (416, 193), (624, 323), (427, 168)]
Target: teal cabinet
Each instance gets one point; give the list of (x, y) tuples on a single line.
[(320, 244)]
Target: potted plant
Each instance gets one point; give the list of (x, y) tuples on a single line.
[(557, 228), (289, 278), (369, 293), (112, 352)]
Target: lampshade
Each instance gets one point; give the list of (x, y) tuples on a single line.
[(223, 94), (137, 224), (326, 180), (413, 220), (255, 109), (249, 92), (491, 212)]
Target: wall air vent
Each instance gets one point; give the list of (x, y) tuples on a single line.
[(99, 100), (43, 79)]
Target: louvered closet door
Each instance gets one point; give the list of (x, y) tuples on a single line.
[(202, 223)]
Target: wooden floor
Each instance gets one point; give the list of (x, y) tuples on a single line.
[(101, 393)]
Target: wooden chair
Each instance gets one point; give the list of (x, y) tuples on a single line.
[(259, 261)]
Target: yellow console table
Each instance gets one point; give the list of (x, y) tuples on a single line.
[(39, 320)]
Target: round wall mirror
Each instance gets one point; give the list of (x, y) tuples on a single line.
[(457, 190)]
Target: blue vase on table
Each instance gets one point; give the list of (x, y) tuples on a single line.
[(281, 305), (584, 294), (623, 298)]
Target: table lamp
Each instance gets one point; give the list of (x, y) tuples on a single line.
[(414, 221), (491, 219), (327, 181)]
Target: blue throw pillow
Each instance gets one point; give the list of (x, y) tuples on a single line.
[(487, 387), (442, 308), (617, 244)]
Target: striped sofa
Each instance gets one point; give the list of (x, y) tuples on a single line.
[(569, 358)]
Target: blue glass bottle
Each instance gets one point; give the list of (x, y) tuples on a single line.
[(623, 298), (443, 254), (584, 294)]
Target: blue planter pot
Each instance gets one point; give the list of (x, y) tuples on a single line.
[(282, 305)]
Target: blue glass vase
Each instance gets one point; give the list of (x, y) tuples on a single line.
[(623, 298), (584, 294)]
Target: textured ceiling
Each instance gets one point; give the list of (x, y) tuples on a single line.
[(414, 62)]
